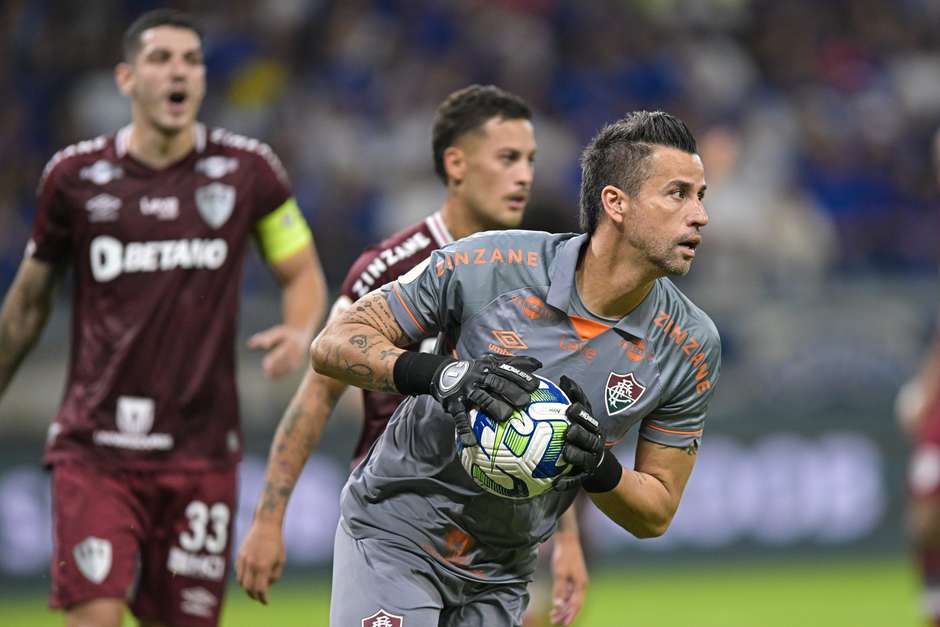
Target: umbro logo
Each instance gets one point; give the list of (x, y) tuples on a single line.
[(103, 208), (510, 339)]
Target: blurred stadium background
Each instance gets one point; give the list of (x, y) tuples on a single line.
[(814, 120)]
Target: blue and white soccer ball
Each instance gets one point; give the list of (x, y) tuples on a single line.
[(519, 458)]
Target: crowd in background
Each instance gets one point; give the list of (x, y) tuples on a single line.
[(814, 118)]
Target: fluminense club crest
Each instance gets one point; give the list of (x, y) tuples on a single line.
[(215, 203), (383, 619), (93, 558), (623, 390)]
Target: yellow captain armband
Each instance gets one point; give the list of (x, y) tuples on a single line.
[(282, 232)]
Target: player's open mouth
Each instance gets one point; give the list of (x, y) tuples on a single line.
[(517, 201), (689, 245), (177, 101)]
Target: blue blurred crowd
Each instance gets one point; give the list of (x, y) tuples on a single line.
[(815, 119)]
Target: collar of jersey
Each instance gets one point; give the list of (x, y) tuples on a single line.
[(562, 269)]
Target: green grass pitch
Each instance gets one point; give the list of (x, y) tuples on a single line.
[(844, 593)]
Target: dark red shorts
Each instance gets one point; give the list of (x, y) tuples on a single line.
[(158, 540)]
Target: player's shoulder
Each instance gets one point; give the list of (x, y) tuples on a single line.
[(90, 159), (675, 307), (416, 237), (222, 144), (525, 251), (493, 262), (412, 241), (515, 239), (386, 260)]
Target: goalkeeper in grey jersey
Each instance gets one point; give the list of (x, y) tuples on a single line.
[(419, 543)]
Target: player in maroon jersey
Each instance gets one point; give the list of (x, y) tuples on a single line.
[(918, 409), (155, 221), (484, 147)]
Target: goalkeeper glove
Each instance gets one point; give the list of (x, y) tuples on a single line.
[(494, 384), (595, 468)]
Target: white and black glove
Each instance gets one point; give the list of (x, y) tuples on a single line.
[(594, 467), (495, 384)]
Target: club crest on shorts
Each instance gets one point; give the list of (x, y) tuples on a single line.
[(93, 558), (383, 619), (623, 390), (215, 203)]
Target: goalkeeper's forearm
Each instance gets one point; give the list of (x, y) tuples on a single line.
[(646, 498), (640, 504), (358, 346), (297, 435)]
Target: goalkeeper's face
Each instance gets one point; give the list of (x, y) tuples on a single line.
[(662, 223), (166, 81), (497, 172)]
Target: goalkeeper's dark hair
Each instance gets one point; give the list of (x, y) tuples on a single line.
[(151, 19), (619, 156), (467, 110)]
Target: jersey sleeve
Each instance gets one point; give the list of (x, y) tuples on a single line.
[(427, 299), (680, 421), (281, 229), (51, 239)]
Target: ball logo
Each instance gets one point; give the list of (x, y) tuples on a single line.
[(383, 619), (623, 390)]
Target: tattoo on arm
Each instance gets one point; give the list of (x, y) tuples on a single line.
[(291, 453), (360, 342), (378, 316), (691, 449), (361, 346)]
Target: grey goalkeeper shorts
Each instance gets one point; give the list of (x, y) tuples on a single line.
[(379, 584)]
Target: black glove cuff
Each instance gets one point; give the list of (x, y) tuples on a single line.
[(607, 475), (414, 371)]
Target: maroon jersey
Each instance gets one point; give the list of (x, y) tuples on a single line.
[(378, 265), (157, 257)]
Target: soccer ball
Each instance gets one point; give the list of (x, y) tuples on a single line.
[(519, 458)]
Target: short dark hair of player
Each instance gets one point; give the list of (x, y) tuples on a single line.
[(618, 155), (152, 19), (467, 110)]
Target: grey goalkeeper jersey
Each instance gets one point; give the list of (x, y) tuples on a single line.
[(509, 292)]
